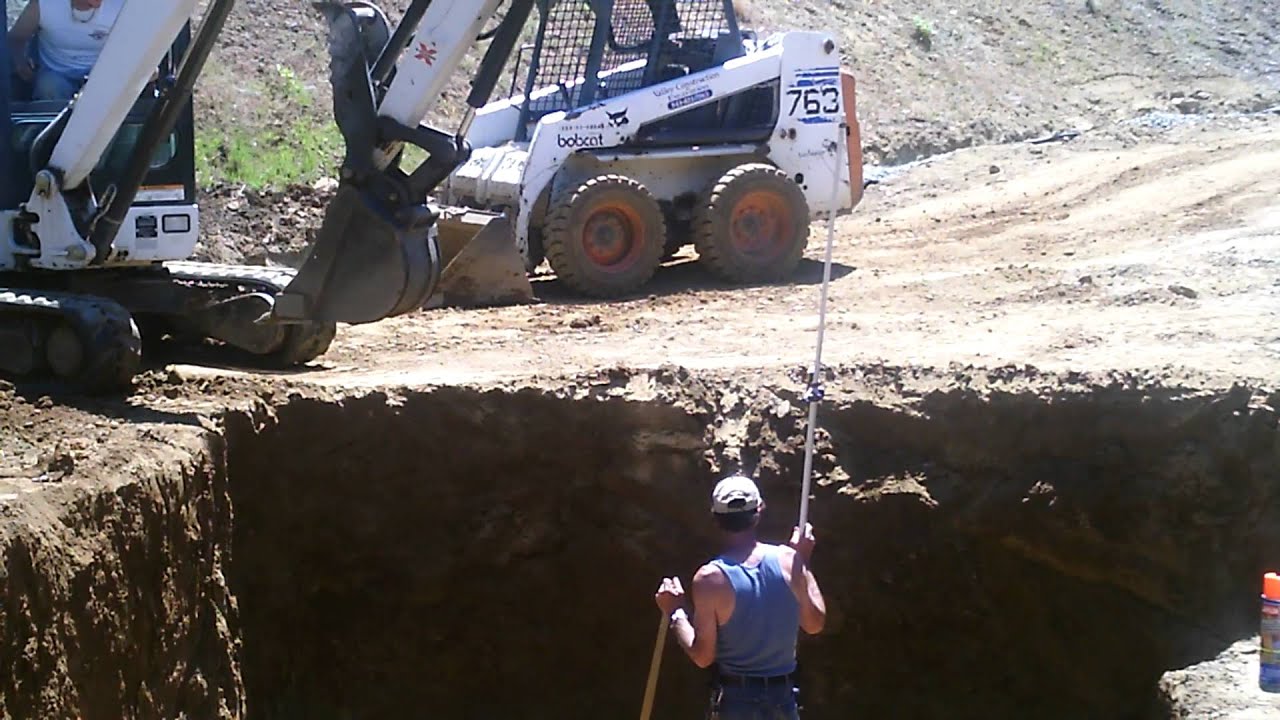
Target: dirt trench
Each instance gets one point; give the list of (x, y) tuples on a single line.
[(1001, 551)]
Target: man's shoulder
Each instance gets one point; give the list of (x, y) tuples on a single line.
[(782, 551), (709, 575), (785, 555)]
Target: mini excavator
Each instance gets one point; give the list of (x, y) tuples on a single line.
[(98, 215)]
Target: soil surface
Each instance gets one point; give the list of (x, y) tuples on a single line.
[(1088, 254)]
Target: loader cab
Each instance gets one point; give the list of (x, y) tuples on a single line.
[(584, 52), (171, 178)]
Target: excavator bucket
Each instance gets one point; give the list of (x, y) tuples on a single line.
[(364, 265), (482, 267)]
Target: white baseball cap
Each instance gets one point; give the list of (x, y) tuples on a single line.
[(735, 493)]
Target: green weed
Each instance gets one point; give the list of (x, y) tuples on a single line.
[(922, 32)]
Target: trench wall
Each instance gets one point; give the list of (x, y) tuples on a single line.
[(998, 554), (113, 599), (462, 553)]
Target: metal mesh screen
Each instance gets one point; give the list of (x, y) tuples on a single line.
[(642, 43), (562, 60), (631, 38), (693, 30)]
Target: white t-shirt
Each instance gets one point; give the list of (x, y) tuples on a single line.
[(70, 39)]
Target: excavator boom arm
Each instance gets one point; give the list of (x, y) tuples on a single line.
[(376, 254)]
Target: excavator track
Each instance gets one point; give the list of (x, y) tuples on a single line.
[(301, 342), (89, 344), (85, 330)]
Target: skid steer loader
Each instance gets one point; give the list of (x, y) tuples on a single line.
[(635, 127)]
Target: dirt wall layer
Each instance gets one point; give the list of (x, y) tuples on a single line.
[(113, 601)]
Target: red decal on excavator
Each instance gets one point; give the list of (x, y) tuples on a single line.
[(426, 54)]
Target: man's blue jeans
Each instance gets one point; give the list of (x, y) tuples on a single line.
[(777, 702), (50, 85)]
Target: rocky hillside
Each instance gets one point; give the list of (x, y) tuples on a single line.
[(933, 76)]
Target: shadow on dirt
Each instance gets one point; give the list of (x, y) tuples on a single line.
[(162, 353), (682, 275), (48, 394)]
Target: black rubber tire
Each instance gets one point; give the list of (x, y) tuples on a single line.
[(714, 226), (566, 226)]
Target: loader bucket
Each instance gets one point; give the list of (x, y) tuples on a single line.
[(364, 265), (482, 267)]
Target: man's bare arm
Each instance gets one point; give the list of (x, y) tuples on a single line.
[(24, 28), (697, 634), (813, 608)]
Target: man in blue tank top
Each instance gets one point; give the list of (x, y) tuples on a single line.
[(749, 604)]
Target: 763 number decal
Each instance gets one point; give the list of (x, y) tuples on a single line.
[(814, 101)]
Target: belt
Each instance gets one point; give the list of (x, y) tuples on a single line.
[(731, 680)]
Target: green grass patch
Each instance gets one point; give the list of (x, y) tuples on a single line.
[(266, 159), (263, 155)]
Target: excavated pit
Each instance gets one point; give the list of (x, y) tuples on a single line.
[(1001, 551), (479, 555)]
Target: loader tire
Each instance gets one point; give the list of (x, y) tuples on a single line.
[(753, 226), (605, 237)]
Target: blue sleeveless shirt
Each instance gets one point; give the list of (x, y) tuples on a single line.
[(759, 638)]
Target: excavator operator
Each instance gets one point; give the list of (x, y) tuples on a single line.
[(69, 34)]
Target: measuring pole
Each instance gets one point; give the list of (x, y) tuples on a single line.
[(813, 393)]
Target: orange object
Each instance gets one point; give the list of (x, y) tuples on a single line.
[(849, 87), (1271, 586)]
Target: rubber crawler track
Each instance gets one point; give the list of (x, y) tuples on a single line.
[(109, 337), (303, 343)]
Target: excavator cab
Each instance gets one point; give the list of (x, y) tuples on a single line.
[(163, 220), (376, 253), (93, 188)]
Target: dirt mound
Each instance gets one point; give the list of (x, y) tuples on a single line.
[(1049, 552), (261, 227), (1222, 687), (935, 76)]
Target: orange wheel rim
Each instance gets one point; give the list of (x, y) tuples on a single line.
[(761, 225), (613, 236)]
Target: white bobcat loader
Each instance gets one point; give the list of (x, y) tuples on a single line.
[(644, 125)]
